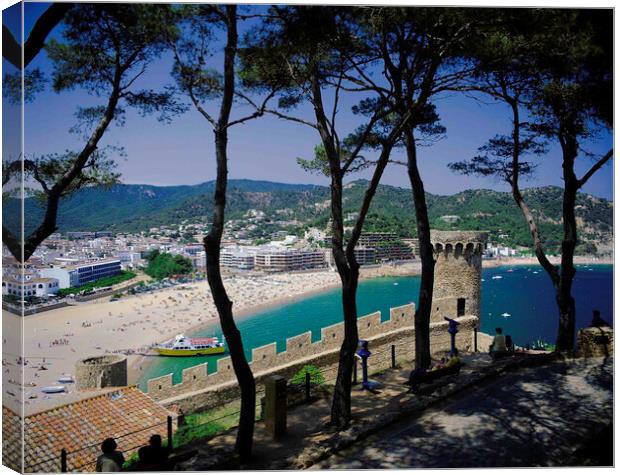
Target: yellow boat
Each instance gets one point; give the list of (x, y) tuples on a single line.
[(183, 346)]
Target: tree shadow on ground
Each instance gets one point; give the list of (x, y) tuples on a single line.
[(537, 417)]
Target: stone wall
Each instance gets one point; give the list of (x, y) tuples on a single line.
[(595, 342), (458, 270), (98, 372), (199, 390)]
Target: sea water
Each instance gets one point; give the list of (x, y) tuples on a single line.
[(522, 302)]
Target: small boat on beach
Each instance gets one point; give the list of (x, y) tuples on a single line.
[(53, 389), (181, 345)]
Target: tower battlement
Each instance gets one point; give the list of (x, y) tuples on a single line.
[(458, 241), (458, 272)]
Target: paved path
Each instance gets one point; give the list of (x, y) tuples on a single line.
[(536, 417)]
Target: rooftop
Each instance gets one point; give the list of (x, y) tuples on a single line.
[(126, 414)]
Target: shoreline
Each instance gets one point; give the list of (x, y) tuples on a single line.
[(141, 364), (60, 337), (138, 365)]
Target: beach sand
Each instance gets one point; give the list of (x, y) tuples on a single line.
[(57, 339)]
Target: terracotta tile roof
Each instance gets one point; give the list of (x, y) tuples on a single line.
[(11, 440), (126, 414)]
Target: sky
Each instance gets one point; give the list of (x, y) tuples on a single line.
[(182, 152)]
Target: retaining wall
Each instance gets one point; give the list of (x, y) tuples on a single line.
[(199, 390)]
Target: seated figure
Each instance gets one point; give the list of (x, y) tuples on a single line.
[(499, 343)]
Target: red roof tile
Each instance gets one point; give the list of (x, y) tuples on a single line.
[(127, 414)]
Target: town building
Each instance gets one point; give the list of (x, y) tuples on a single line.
[(276, 259), (76, 274), (242, 258), (450, 218), (387, 246), (42, 287)]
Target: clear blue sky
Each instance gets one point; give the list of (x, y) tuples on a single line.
[(182, 152)]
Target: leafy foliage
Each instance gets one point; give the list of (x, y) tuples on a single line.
[(162, 265), (316, 377)]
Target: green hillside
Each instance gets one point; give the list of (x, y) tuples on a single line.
[(134, 208)]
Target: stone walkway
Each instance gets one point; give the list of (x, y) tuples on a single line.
[(486, 416), (536, 417)]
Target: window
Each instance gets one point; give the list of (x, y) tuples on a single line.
[(460, 307)]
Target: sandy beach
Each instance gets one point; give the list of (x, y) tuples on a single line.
[(54, 340)]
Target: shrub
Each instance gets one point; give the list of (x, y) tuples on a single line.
[(316, 377)]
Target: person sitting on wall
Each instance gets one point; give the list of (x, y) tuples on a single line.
[(111, 460), (499, 343)]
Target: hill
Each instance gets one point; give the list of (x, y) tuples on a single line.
[(134, 208)]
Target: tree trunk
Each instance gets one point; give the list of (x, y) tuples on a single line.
[(341, 402), (566, 328), (562, 280), (212, 244), (564, 297), (423, 311)]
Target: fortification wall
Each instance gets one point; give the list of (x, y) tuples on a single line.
[(458, 269), (103, 371), (199, 390)]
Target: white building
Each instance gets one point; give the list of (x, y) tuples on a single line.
[(80, 274), (41, 287), (238, 257), (278, 259)]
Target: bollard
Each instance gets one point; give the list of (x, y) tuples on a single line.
[(307, 387), (275, 405), (393, 356), (63, 460), (169, 424)]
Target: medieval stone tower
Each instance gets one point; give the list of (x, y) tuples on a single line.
[(458, 268)]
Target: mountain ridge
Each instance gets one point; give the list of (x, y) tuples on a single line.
[(134, 208)]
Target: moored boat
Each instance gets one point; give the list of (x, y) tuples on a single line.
[(181, 345)]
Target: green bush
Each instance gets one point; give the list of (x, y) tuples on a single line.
[(162, 265), (316, 377)]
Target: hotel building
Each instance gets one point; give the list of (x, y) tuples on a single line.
[(74, 275)]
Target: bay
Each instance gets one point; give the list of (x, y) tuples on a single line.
[(524, 293)]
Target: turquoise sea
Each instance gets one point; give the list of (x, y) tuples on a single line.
[(524, 292)]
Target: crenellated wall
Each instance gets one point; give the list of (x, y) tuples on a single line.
[(199, 390)]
